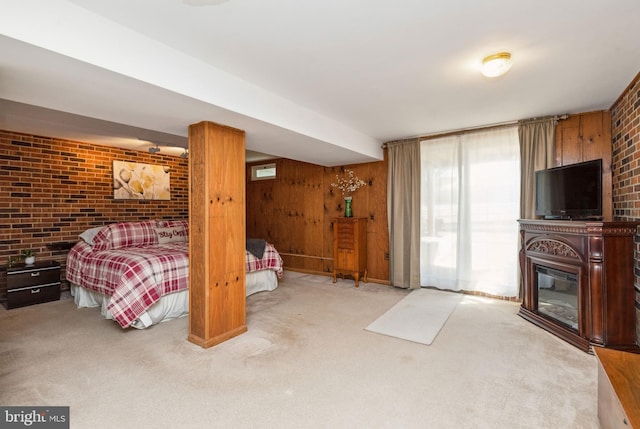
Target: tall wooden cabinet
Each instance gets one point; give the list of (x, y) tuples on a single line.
[(350, 247)]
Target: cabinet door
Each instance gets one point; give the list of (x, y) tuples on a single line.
[(346, 259)]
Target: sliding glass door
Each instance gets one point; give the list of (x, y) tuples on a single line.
[(469, 209)]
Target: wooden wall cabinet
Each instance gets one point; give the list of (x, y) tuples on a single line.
[(350, 248), (585, 137), (600, 257)]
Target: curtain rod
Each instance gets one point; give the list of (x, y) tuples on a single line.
[(480, 128)]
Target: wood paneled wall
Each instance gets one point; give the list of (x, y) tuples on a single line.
[(584, 137), (295, 212)]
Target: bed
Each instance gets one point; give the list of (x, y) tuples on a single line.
[(138, 272)]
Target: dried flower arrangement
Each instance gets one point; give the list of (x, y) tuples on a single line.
[(349, 184)]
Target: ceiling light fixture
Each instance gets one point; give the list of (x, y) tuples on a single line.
[(184, 154), (154, 149), (496, 65)]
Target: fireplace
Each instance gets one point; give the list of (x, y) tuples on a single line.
[(578, 281), (557, 295)]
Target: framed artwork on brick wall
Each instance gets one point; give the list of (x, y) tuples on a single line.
[(137, 181)]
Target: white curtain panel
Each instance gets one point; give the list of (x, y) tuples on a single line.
[(470, 203)]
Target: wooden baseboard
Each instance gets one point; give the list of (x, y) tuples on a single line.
[(322, 273), (210, 342)]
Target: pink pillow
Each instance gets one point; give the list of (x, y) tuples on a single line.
[(125, 234)]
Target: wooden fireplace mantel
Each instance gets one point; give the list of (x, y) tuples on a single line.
[(601, 255)]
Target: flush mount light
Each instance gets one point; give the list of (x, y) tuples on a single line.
[(496, 65)]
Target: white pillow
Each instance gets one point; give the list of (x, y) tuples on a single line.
[(171, 235), (88, 235)]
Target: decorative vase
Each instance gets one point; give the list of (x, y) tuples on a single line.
[(347, 207), (30, 260)]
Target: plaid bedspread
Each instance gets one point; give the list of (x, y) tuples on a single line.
[(137, 277)]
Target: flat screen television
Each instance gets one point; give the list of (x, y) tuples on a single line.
[(570, 192)]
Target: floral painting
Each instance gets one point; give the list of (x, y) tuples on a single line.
[(136, 181)]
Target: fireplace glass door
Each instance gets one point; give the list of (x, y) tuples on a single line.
[(558, 295)]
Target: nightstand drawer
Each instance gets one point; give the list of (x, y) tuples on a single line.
[(33, 295), (32, 277)]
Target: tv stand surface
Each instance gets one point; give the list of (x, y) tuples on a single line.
[(601, 254)]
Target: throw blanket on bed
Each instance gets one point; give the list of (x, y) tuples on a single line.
[(256, 246)]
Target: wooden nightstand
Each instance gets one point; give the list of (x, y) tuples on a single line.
[(32, 284), (350, 247)]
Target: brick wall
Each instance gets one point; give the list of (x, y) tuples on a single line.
[(625, 131), (51, 190)]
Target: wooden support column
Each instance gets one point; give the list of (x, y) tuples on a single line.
[(217, 298)]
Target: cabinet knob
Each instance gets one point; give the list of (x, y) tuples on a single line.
[(35, 291), (35, 274)]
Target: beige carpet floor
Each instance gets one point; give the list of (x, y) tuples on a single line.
[(305, 362)]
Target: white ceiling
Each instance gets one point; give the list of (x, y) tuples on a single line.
[(319, 81)]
